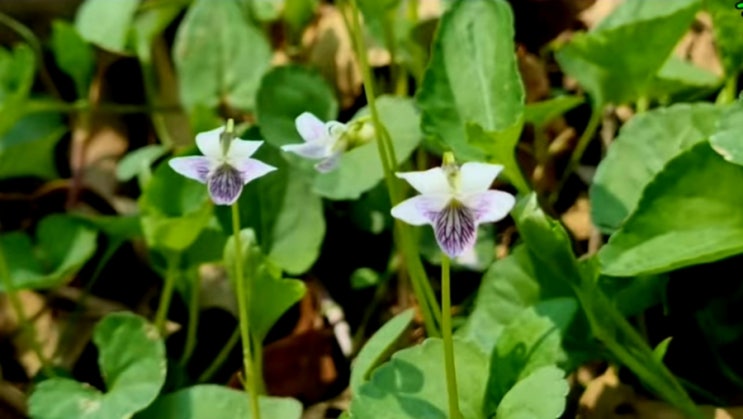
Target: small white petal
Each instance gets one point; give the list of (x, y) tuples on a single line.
[(209, 144), (421, 209), (312, 150), (252, 169), (429, 182), (310, 127), (477, 177), (242, 149), (469, 258), (329, 164), (192, 167), (490, 206), (335, 129)]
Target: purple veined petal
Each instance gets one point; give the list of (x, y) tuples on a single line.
[(428, 182), (477, 177), (490, 206), (208, 143), (310, 127), (455, 229), (329, 164), (313, 150), (192, 167), (421, 209), (225, 184), (253, 169), (241, 150)]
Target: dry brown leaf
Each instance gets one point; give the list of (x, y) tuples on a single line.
[(46, 328), (578, 218)]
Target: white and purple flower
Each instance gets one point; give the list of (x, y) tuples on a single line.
[(225, 165), (454, 201), (323, 140)]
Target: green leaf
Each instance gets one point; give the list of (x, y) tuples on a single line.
[(616, 61), (413, 384), (106, 23), (680, 78), (364, 278), (726, 21), (73, 55), (689, 214), (644, 146), (360, 169), (271, 295), (174, 210), (509, 287), (378, 348), (487, 91), (208, 401), (499, 147), (265, 10), (16, 78), (286, 216), (542, 113), (547, 385), (139, 161), (531, 341), (297, 14), (63, 245), (726, 139), (220, 58), (286, 92), (149, 23), (27, 148), (131, 356)]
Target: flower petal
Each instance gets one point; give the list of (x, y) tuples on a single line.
[(310, 127), (208, 143), (241, 150), (329, 164), (420, 210), (253, 169), (225, 185), (490, 206), (477, 177), (313, 150), (455, 229), (335, 129), (192, 167), (429, 182)]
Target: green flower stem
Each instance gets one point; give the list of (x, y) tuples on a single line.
[(406, 242), (193, 318), (220, 358), (729, 91), (243, 306), (642, 105), (27, 328), (171, 273), (451, 373), (580, 148)]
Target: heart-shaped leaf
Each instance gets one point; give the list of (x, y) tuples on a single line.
[(106, 23), (547, 384), (63, 245), (132, 361), (73, 55), (413, 384)]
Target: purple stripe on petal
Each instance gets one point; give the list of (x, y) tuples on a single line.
[(192, 167), (225, 185), (455, 229), (329, 164)]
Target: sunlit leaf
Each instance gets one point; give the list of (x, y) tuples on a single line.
[(547, 384), (132, 361), (106, 23), (726, 139), (681, 220)]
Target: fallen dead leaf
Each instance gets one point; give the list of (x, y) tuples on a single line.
[(578, 218)]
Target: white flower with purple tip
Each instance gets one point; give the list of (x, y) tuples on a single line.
[(454, 200), (323, 140), (225, 165)]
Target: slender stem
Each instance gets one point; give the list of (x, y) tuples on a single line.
[(642, 105), (193, 319), (729, 91), (27, 328), (171, 273), (451, 374), (580, 148), (243, 305), (421, 286), (221, 357)]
